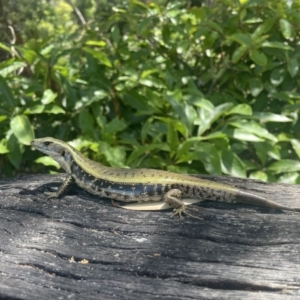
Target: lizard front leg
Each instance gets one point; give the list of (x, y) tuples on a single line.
[(173, 198), (61, 189)]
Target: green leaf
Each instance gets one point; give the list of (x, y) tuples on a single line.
[(265, 150), (255, 128), (114, 155), (176, 124), (258, 57), (263, 28), (172, 139), (145, 129), (22, 129), (242, 38), (101, 56), (241, 109), (296, 146), (277, 45), (11, 68), (239, 53), (53, 109), (215, 26), (284, 166), (214, 135), (16, 150), (48, 97), (86, 122), (242, 135), (137, 101), (256, 87), (4, 47), (203, 103), (3, 146), (114, 126), (231, 164), (6, 94), (277, 76), (144, 150), (284, 137), (293, 67), (207, 154), (35, 109), (30, 56), (289, 178), (286, 28), (115, 33), (3, 118), (47, 161), (206, 119), (259, 175), (270, 117), (96, 43)]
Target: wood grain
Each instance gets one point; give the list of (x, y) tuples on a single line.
[(81, 247)]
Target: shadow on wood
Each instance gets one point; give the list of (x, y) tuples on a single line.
[(81, 247)]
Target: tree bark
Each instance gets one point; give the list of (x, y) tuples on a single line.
[(81, 247)]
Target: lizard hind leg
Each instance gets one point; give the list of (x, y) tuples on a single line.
[(173, 198)]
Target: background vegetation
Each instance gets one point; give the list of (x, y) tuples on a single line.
[(176, 85)]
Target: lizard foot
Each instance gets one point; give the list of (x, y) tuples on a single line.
[(51, 195), (183, 210), (173, 198)]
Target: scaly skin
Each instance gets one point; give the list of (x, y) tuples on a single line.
[(140, 185)]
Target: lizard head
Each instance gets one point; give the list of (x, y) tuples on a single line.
[(58, 150)]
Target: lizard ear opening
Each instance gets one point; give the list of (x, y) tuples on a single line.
[(63, 153)]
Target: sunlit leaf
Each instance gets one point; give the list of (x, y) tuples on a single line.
[(296, 146), (48, 97), (286, 28), (231, 164), (270, 117), (285, 165), (53, 109), (242, 109), (3, 146), (259, 175), (254, 128), (47, 161), (22, 129)]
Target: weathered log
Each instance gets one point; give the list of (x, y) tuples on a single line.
[(81, 247)]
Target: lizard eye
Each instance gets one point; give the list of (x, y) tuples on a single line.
[(47, 143)]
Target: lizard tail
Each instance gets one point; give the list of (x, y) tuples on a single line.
[(249, 198)]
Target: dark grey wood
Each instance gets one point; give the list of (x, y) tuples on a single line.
[(236, 252)]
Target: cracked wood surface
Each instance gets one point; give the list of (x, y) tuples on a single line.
[(81, 247)]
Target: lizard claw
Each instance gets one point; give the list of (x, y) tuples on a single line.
[(51, 195), (183, 210)]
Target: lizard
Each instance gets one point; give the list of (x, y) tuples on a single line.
[(141, 185)]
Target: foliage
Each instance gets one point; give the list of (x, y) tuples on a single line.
[(189, 89)]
